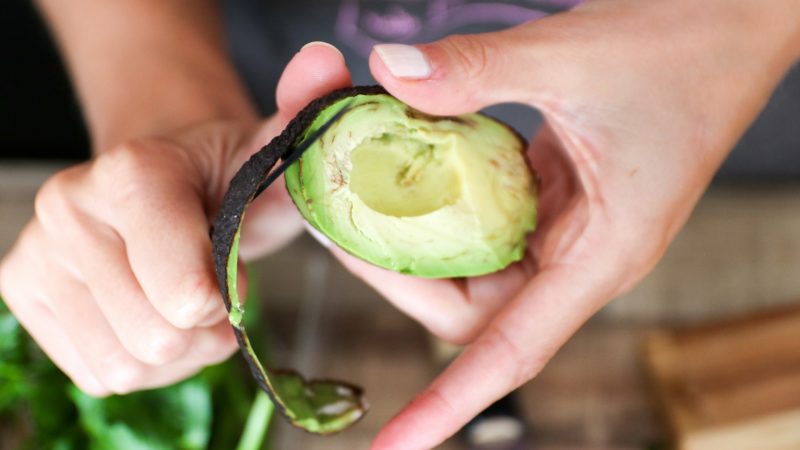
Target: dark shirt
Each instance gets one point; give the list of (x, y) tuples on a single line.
[(264, 34)]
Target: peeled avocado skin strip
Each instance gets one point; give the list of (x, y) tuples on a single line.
[(317, 406)]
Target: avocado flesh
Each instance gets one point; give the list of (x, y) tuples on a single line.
[(429, 196)]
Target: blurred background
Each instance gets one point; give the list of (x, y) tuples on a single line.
[(609, 388)]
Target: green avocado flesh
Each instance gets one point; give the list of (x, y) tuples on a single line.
[(418, 194)]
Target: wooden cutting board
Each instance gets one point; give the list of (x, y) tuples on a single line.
[(732, 385)]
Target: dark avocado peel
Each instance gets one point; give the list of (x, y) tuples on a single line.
[(431, 181)]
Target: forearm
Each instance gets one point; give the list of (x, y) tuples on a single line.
[(764, 43), (142, 67), (774, 24), (792, 10)]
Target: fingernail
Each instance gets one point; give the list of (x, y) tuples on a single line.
[(321, 238), (321, 44), (404, 61)]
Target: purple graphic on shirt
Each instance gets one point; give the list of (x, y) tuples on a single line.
[(363, 23)]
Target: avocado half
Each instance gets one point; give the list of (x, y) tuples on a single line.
[(432, 196), (424, 195)]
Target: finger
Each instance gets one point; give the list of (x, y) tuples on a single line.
[(89, 332), (140, 328), (156, 205), (512, 350), (317, 69), (74, 306), (106, 357), (54, 341), (463, 73), (454, 310), (439, 305), (210, 346), (105, 267), (105, 270), (143, 332), (242, 286), (24, 301)]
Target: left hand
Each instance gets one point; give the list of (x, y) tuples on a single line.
[(113, 276), (642, 101)]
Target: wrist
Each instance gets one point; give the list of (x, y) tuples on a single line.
[(774, 27), (146, 67), (792, 11), (161, 95), (795, 39)]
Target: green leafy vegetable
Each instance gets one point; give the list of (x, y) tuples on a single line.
[(12, 376), (257, 423), (41, 409), (34, 409), (176, 417)]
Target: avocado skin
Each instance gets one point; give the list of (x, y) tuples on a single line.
[(244, 187)]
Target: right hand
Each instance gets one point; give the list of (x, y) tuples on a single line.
[(642, 100), (113, 276)]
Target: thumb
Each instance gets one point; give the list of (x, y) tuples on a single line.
[(317, 69), (461, 73)]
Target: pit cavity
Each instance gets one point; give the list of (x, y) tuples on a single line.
[(403, 177)]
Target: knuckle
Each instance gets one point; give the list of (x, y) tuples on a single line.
[(163, 346), (439, 402), (522, 366), (470, 53), (195, 297), (214, 345), (126, 170), (217, 315), (222, 349), (121, 374), (53, 204)]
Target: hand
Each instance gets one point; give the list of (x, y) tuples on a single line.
[(642, 102), (113, 276)]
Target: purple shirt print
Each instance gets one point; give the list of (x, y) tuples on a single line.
[(361, 24)]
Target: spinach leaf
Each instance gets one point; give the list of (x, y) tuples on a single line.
[(176, 417)]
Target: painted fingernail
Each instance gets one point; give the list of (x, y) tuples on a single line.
[(321, 44), (404, 61), (321, 238)]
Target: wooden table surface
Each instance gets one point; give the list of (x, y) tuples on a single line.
[(739, 252)]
